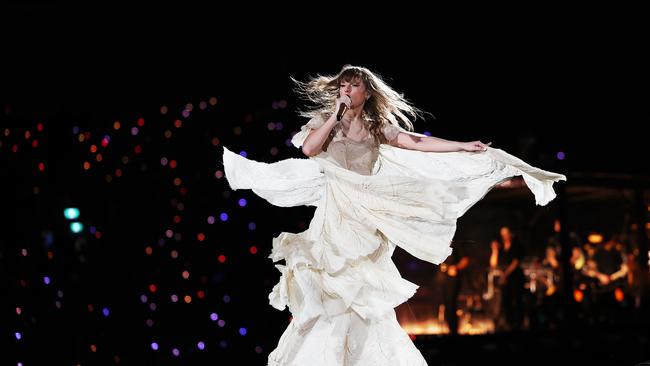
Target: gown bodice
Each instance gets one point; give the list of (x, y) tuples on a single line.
[(358, 156)]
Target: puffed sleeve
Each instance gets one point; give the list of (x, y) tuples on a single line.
[(299, 138), (390, 131)]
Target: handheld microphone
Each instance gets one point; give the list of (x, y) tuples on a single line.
[(342, 109)]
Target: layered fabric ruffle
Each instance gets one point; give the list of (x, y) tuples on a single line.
[(340, 270), (346, 339)]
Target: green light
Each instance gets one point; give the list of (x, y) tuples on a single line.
[(76, 227), (71, 213)]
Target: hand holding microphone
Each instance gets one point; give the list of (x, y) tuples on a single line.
[(343, 103)]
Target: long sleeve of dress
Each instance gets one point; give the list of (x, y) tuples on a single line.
[(414, 198)]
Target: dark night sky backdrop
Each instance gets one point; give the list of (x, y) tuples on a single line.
[(494, 77)]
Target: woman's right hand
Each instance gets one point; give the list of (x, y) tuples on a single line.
[(343, 100)]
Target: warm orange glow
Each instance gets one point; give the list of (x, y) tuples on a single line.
[(178, 123), (86, 165), (188, 299), (185, 274), (213, 101), (81, 137), (619, 295), (177, 181), (148, 250), (117, 125), (27, 135), (50, 255), (578, 295), (174, 254), (595, 238), (431, 326), (93, 148), (93, 348)]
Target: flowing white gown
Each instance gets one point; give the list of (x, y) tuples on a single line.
[(339, 280)]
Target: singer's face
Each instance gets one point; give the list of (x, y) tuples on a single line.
[(355, 89)]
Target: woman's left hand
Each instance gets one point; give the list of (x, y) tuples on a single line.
[(475, 146)]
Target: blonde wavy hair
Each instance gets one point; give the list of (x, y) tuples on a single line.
[(384, 105)]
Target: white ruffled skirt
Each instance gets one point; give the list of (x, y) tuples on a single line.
[(338, 280)]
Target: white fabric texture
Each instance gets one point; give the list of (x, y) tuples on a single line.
[(338, 280)]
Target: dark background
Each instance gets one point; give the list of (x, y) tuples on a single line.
[(532, 81), (482, 73)]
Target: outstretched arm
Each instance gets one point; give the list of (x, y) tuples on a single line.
[(435, 144)]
